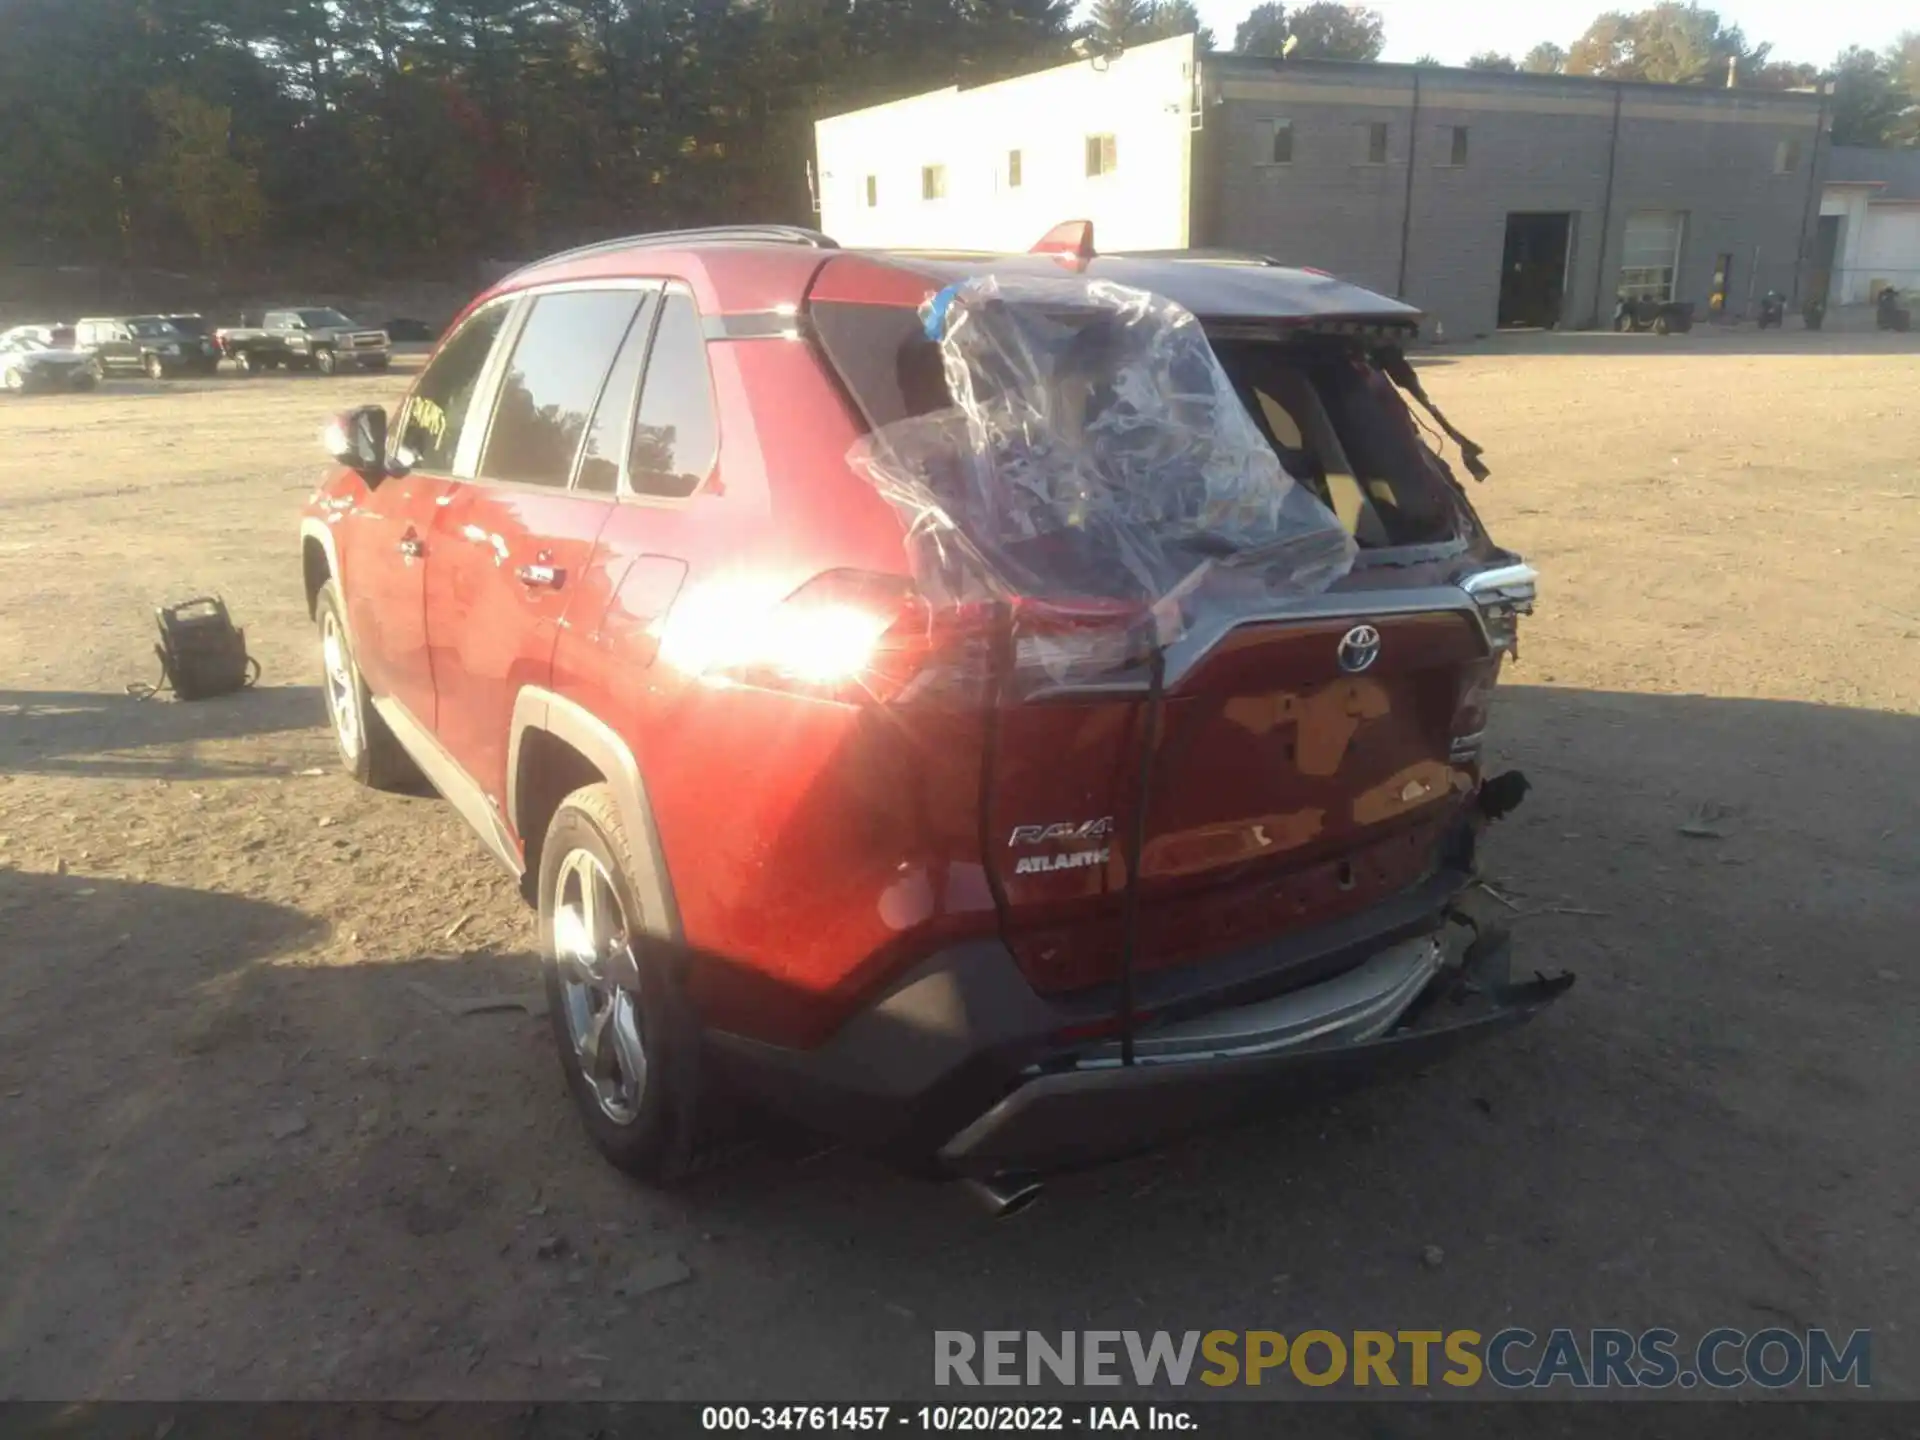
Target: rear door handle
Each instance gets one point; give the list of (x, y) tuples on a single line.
[(411, 546), (548, 575)]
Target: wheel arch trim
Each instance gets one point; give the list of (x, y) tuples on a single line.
[(315, 529), (536, 708)]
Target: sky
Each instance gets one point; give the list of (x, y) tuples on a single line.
[(1799, 30)]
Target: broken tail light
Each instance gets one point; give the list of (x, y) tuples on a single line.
[(1502, 596)]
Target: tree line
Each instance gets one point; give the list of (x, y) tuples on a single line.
[(393, 132)]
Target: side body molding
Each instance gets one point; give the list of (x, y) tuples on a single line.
[(540, 709)]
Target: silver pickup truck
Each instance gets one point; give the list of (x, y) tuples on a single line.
[(310, 339)]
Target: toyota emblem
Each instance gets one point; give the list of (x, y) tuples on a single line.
[(1359, 648)]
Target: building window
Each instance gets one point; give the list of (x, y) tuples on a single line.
[(1786, 157), (873, 191), (1456, 138), (1279, 142), (1373, 143), (1013, 169), (1650, 254), (933, 182), (1101, 155)]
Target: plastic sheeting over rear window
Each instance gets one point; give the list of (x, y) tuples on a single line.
[(1096, 467)]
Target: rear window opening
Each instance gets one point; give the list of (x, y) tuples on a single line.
[(1336, 422)]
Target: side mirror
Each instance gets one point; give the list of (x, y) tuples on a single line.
[(357, 439)]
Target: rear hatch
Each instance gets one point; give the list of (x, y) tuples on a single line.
[(1299, 765)]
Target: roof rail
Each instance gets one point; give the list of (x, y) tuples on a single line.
[(1231, 257), (708, 234)]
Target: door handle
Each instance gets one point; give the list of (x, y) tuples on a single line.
[(548, 575), (411, 546)]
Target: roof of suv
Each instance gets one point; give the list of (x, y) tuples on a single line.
[(756, 269)]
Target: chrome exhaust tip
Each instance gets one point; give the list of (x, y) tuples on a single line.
[(1004, 1196)]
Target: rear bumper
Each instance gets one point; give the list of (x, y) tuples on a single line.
[(1060, 1120), (962, 1068)]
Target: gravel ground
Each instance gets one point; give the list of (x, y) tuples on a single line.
[(252, 1149)]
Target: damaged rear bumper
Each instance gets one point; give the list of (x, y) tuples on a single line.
[(963, 1069), (1086, 1113)]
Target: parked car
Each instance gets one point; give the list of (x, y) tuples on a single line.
[(28, 362), (145, 343), (311, 339), (803, 825), (53, 337)]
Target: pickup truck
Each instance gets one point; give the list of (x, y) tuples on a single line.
[(307, 339)]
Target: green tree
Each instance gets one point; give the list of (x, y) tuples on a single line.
[(1675, 44), (1167, 18), (1115, 22), (216, 193), (1330, 31), (1546, 58), (1869, 103), (1493, 60), (1264, 31)]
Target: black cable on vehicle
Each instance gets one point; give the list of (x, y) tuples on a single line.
[(1136, 843), (1000, 648)]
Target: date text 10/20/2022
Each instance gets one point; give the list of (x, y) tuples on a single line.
[(944, 1419)]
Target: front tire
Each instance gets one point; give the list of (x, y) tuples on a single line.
[(244, 362), (15, 382), (154, 368), (368, 750), (325, 362), (627, 1037)]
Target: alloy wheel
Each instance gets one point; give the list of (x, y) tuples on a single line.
[(343, 698), (599, 981)]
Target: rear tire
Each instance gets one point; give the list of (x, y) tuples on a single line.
[(15, 382), (368, 750), (628, 1039)]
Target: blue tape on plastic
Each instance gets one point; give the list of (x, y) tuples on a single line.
[(937, 308)]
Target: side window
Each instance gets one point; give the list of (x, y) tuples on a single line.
[(613, 416), (437, 413), (559, 363), (675, 437)]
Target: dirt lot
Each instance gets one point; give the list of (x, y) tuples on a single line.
[(250, 1150)]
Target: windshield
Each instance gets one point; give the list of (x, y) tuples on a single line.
[(189, 324), (322, 319), (151, 329)]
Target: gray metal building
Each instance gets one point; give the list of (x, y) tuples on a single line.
[(1487, 199), (1494, 199)]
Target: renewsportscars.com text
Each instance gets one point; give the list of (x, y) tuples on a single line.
[(1512, 1358)]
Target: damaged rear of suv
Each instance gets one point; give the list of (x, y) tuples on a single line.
[(1004, 710), (1232, 629)]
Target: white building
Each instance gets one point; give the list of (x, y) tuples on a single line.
[(1486, 199), (1870, 223), (995, 167)]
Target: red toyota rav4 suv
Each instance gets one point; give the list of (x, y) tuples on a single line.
[(802, 825)]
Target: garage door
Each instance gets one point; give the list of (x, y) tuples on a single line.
[(1651, 254)]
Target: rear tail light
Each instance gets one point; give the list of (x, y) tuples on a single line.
[(1502, 596), (848, 636), (861, 638)]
